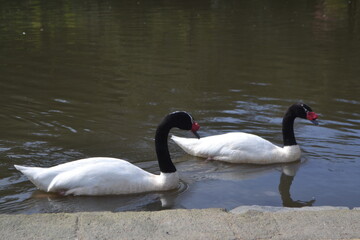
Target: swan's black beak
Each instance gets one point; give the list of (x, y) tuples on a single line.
[(315, 122), (195, 127), (196, 135)]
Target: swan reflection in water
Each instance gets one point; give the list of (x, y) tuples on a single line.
[(204, 177), (286, 179), (152, 201)]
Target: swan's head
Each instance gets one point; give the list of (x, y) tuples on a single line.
[(184, 121), (304, 111)]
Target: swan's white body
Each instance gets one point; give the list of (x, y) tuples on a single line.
[(238, 147), (98, 176)]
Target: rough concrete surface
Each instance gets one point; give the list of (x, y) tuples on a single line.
[(251, 222)]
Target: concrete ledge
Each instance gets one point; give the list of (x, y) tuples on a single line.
[(245, 209), (255, 223)]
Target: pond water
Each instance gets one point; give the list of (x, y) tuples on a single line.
[(94, 78)]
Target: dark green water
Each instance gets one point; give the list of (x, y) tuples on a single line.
[(94, 78)]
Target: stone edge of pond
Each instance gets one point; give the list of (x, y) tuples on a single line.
[(258, 208), (244, 222)]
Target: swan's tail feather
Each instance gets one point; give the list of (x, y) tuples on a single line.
[(187, 144), (27, 171), (33, 174)]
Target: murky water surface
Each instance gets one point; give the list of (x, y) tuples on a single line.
[(94, 78)]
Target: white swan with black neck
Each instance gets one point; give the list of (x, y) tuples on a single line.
[(239, 147), (105, 176)]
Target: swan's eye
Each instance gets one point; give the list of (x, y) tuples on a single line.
[(305, 109)]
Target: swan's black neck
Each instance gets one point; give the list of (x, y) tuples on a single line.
[(288, 128), (162, 150)]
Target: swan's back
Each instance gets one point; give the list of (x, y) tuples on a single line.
[(42, 177), (236, 147)]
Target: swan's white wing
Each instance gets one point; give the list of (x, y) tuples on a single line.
[(42, 177), (234, 147), (103, 178)]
